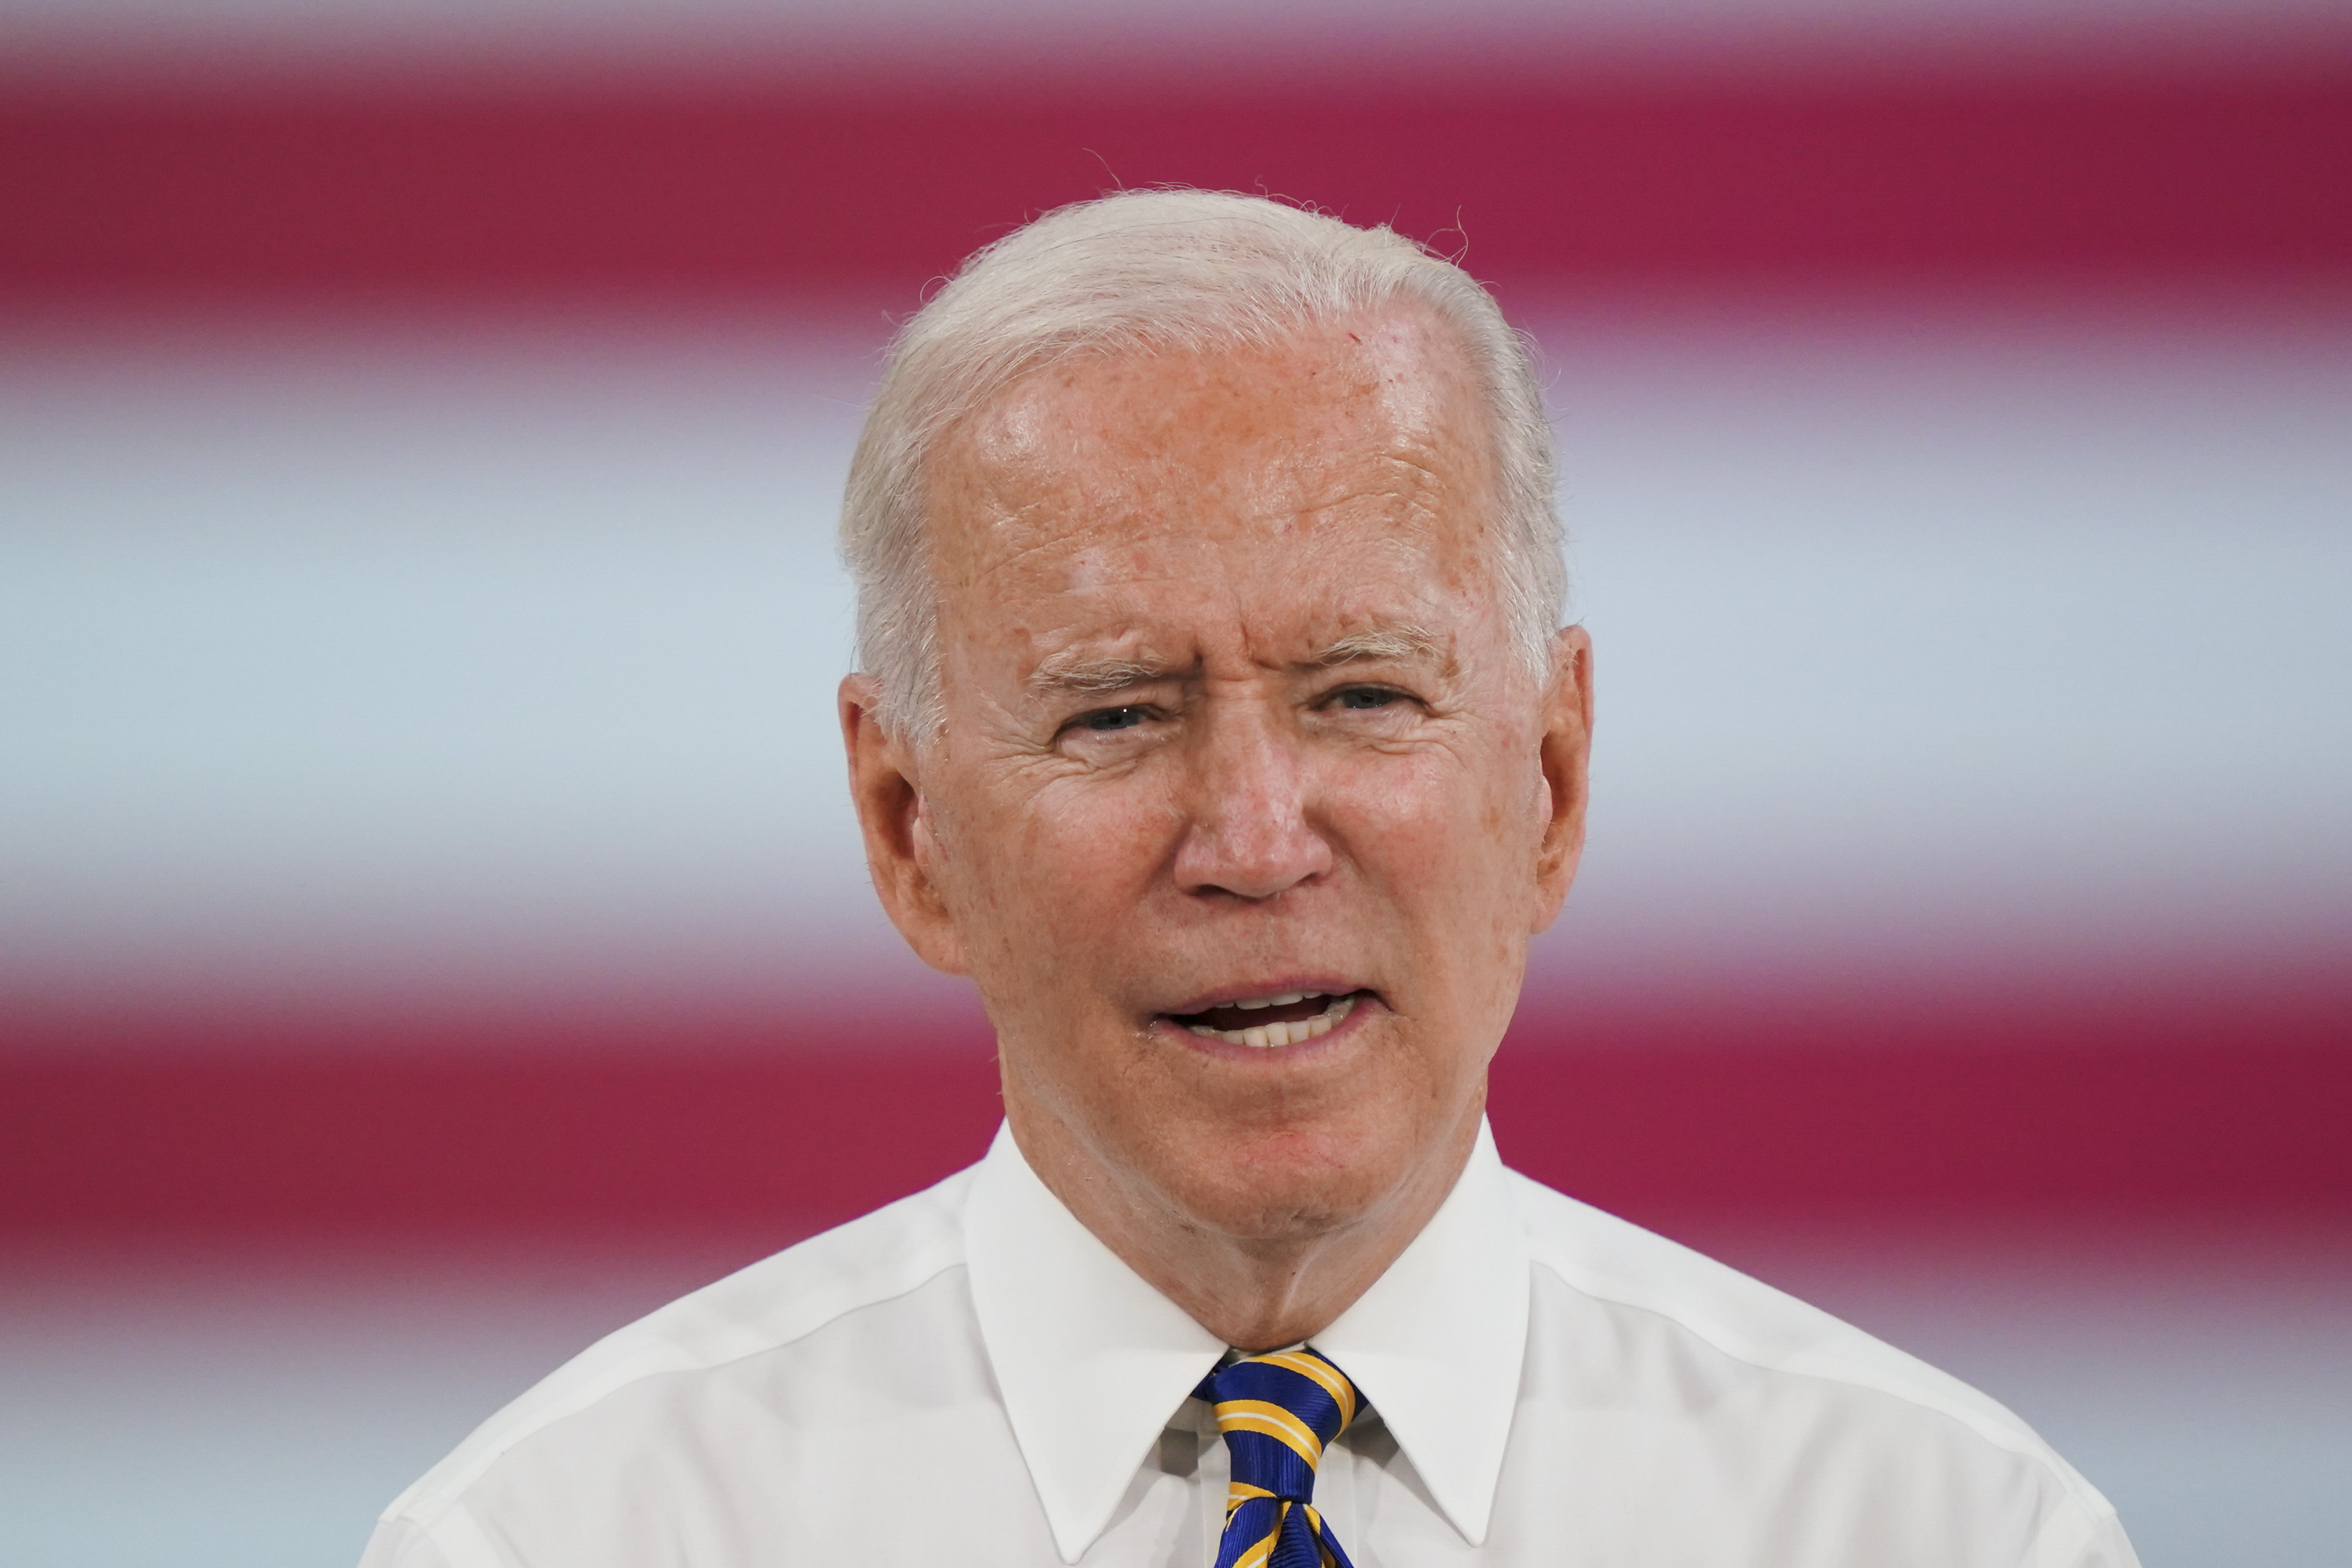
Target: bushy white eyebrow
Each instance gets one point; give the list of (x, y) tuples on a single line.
[(1077, 672), (1074, 671), (1386, 642)]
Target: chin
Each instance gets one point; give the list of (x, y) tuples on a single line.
[(1287, 1193)]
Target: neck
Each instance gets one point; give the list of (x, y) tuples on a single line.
[(1256, 1288)]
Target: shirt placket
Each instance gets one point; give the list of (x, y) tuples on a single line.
[(1211, 1476)]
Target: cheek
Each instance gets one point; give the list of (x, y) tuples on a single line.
[(1058, 867), (1438, 831), (1395, 814), (1419, 809)]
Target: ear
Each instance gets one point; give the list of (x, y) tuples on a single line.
[(1566, 769), (902, 854)]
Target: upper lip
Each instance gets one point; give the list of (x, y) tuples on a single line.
[(1320, 986)]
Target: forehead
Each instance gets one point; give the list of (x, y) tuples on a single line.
[(1353, 454)]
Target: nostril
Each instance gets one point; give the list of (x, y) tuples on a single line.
[(1250, 865), (1214, 889), (1254, 890)]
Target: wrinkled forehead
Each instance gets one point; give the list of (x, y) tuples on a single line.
[(1365, 427)]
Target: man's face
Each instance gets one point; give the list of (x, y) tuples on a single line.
[(1246, 808)]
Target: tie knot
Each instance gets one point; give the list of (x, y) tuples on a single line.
[(1277, 1413)]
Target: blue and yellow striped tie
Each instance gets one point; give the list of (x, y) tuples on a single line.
[(1278, 1412)]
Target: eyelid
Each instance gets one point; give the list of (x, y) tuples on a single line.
[(1341, 689), (1077, 720)]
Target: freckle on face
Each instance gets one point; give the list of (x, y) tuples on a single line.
[(1225, 515)]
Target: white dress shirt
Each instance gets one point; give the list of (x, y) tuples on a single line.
[(969, 1377)]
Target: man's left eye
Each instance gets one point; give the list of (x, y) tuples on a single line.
[(1365, 697)]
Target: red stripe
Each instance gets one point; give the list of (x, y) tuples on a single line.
[(467, 190), (2225, 1103)]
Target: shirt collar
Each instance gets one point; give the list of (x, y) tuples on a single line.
[(1436, 1343), (1092, 1361)]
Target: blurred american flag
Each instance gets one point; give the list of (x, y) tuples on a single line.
[(430, 921)]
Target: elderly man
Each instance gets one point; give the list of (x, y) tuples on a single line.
[(1215, 720)]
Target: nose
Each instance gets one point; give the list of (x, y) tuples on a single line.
[(1247, 833)]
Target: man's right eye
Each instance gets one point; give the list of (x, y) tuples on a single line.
[(1111, 719)]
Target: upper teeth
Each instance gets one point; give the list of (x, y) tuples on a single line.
[(1278, 1032), (1284, 1000)]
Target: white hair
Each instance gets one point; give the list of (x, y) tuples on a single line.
[(1180, 269)]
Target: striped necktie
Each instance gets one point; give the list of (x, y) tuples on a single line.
[(1278, 1412)]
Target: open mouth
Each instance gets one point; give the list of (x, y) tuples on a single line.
[(1269, 1021)]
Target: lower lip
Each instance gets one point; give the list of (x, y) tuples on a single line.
[(1210, 1044)]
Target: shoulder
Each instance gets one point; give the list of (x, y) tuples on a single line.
[(1609, 1260), (1774, 1357), (791, 1297)]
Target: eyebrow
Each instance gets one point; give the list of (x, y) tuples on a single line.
[(1076, 672), (1386, 642)]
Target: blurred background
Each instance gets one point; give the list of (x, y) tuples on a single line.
[(430, 932)]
